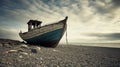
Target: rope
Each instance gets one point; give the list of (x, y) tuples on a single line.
[(66, 35)]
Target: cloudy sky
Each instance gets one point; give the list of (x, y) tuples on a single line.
[(89, 21)]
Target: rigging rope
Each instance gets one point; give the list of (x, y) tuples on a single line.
[(66, 35)]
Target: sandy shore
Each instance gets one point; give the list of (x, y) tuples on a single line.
[(17, 54)]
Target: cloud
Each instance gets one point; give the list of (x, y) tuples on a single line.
[(84, 16), (9, 33), (106, 36), (105, 9), (80, 10), (116, 3)]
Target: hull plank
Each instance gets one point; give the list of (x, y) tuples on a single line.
[(49, 38)]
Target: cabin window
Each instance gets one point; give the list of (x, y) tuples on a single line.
[(32, 27)]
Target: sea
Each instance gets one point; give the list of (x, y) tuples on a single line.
[(110, 45)]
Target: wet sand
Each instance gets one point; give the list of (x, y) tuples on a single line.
[(17, 54)]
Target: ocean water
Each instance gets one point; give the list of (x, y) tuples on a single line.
[(111, 45)]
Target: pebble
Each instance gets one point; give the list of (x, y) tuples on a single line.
[(24, 46), (33, 50), (11, 51), (58, 66), (6, 45), (38, 48), (24, 53), (20, 50), (20, 56), (56, 50), (41, 58)]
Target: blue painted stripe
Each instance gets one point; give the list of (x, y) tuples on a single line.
[(50, 36)]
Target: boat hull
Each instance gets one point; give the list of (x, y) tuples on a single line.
[(50, 39), (48, 35)]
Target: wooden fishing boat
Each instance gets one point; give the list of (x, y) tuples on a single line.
[(47, 35)]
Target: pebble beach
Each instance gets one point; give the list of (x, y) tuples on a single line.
[(18, 54)]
